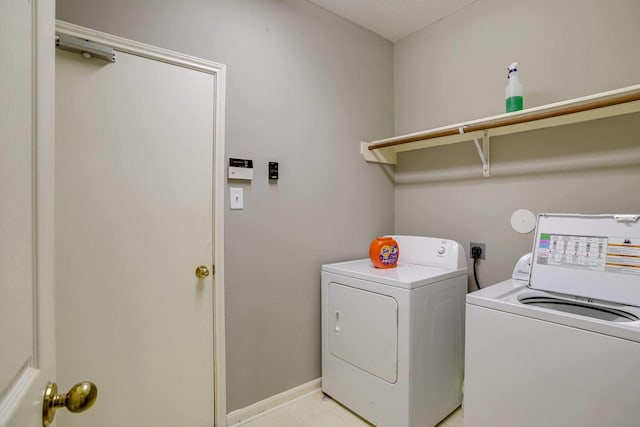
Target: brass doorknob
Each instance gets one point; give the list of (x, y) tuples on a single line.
[(80, 398), (202, 271)]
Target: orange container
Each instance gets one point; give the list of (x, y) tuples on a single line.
[(384, 252)]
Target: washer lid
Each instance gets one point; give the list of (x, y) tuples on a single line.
[(508, 297), (404, 275), (594, 256)]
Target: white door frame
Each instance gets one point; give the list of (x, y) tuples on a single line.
[(219, 72)]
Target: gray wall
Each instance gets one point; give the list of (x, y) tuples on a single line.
[(455, 70), (304, 87)]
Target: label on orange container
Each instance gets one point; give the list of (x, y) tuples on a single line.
[(384, 252)]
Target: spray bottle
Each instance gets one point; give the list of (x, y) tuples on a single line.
[(513, 92)]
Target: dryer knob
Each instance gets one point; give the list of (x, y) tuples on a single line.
[(441, 250)]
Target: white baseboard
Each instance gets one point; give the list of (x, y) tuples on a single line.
[(273, 402)]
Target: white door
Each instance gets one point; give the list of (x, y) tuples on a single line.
[(26, 210), (134, 219)]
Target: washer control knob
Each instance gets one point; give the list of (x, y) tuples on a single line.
[(441, 250)]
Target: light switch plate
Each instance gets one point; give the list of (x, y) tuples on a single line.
[(236, 198)]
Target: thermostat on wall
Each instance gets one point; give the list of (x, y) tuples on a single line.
[(240, 169)]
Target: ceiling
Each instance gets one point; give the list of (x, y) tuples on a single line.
[(393, 19)]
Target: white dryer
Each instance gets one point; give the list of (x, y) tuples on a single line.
[(393, 339), (560, 346)]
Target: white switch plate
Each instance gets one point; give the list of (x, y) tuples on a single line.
[(236, 199)]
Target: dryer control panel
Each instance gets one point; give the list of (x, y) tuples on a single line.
[(431, 251)]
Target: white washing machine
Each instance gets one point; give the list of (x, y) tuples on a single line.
[(393, 339), (560, 345)]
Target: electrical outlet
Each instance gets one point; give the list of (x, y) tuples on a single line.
[(482, 247)]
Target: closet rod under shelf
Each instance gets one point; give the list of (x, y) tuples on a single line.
[(515, 120)]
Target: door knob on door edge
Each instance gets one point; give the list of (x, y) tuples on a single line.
[(80, 398)]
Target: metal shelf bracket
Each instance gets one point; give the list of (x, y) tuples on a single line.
[(484, 152)]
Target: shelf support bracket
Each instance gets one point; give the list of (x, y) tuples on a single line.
[(383, 155), (484, 151)]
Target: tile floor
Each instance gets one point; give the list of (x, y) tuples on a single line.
[(318, 410)]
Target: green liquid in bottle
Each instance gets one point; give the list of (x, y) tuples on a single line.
[(514, 103)]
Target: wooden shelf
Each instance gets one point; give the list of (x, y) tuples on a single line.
[(593, 107)]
